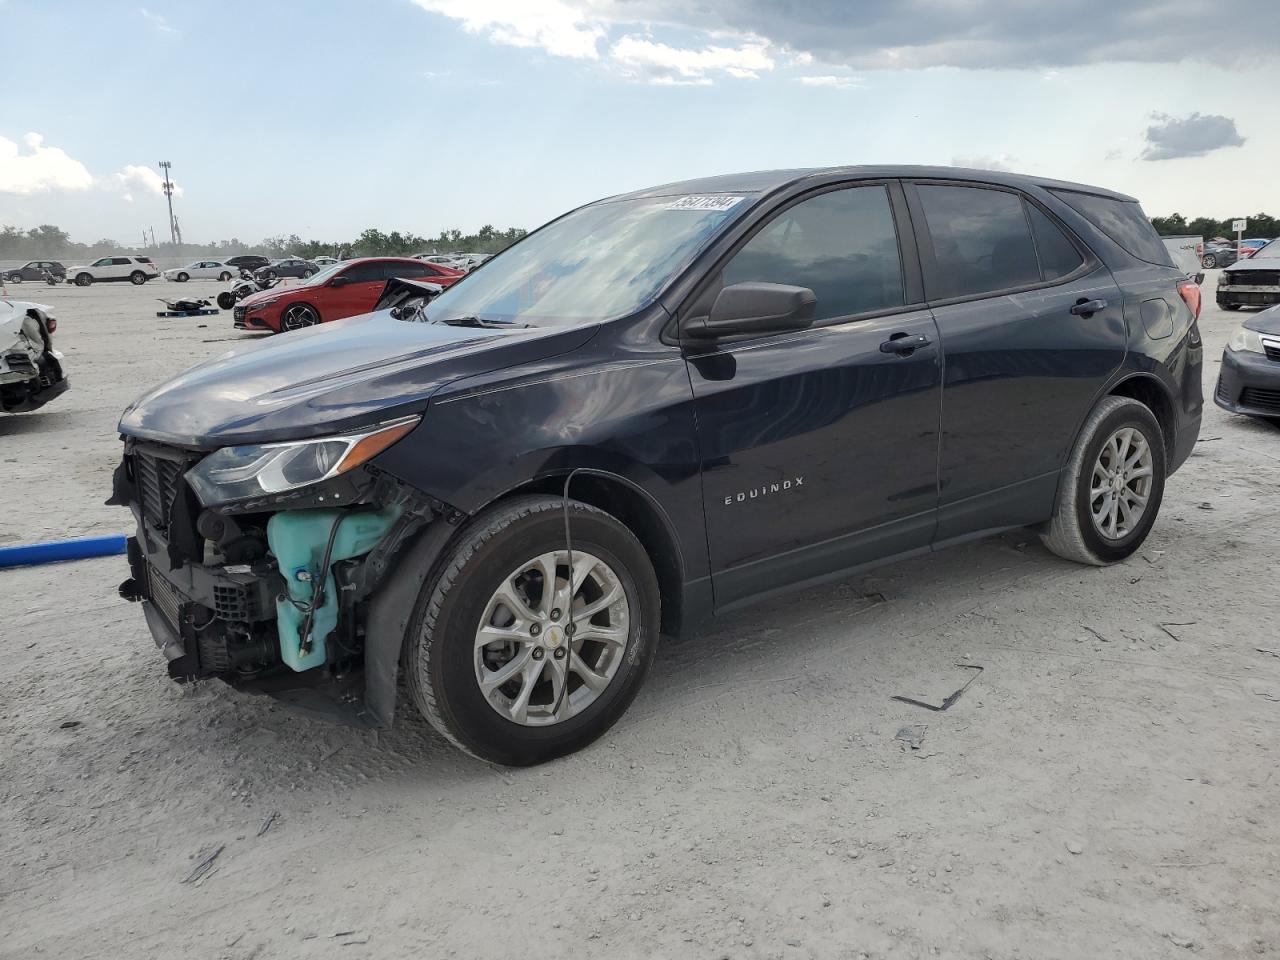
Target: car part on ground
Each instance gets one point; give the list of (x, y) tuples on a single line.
[(646, 413), (31, 370), (1249, 379)]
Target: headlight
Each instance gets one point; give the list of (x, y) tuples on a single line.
[(262, 303), (1242, 338), (238, 473), (1224, 279)]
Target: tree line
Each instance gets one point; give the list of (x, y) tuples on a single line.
[(50, 241), (1261, 226)]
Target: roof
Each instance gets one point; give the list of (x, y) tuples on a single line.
[(767, 181)]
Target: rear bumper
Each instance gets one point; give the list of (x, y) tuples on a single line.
[(35, 393), (1248, 383), (1247, 297)]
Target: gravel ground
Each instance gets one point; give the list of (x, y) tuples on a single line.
[(1105, 788)]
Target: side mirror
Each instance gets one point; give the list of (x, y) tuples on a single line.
[(339, 281), (756, 308)]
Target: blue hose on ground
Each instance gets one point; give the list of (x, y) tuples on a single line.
[(53, 551)]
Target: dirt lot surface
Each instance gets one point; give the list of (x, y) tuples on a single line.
[(1106, 787)]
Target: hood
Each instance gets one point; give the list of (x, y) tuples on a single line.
[(1265, 321), (1255, 263), (330, 378), (271, 293), (22, 325)]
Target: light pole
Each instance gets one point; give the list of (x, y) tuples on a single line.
[(168, 192)]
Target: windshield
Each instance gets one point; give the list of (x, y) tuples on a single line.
[(603, 261), (1272, 249), (324, 274)]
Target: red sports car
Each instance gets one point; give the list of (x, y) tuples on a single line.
[(343, 290)]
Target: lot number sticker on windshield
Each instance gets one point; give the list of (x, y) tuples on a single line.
[(704, 203)]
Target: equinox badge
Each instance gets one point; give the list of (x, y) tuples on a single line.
[(780, 486)]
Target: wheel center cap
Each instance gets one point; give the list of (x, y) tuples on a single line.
[(552, 637)]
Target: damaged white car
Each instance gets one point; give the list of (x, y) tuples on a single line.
[(31, 371)]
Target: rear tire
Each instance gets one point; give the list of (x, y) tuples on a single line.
[(1208, 261), (224, 276), (1096, 478), (226, 300), (444, 658), (137, 278)]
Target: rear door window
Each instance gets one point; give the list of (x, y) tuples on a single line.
[(842, 245), (1058, 255), (366, 272), (120, 261), (1121, 220), (981, 240)]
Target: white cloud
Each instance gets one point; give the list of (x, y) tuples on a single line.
[(1003, 162), (840, 83), (141, 178), (660, 63), (157, 21), (558, 27), (40, 169)]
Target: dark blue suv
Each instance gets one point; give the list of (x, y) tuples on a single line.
[(658, 407)]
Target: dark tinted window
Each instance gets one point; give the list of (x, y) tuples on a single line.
[(366, 272), (981, 240), (1123, 221), (120, 261), (841, 245), (394, 268), (1058, 255)]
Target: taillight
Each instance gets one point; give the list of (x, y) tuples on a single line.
[(51, 323), (1189, 290), (1199, 249)]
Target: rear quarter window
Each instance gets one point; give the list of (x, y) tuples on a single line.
[(1121, 220)]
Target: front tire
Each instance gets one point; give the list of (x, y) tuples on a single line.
[(181, 278), (298, 315), (490, 657), (83, 279), (1111, 489), (137, 278), (15, 278), (1230, 306)]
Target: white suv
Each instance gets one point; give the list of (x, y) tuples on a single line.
[(134, 269)]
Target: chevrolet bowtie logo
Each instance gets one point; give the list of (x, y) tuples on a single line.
[(766, 490)]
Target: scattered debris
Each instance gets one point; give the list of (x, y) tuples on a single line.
[(203, 866), (1208, 439), (912, 735), (1165, 627), (1274, 653), (269, 822), (1075, 847), (946, 704), (68, 724), (1095, 633), (1206, 505), (1186, 943)]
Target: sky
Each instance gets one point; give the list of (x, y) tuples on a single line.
[(322, 118)]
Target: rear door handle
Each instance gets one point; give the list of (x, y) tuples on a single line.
[(904, 345), (1087, 308)]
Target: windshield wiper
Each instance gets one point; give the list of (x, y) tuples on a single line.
[(482, 322)]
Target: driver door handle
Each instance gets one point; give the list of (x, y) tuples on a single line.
[(1086, 308), (904, 345)]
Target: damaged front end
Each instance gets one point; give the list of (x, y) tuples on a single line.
[(31, 371), (258, 565)]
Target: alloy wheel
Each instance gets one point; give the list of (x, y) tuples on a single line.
[(542, 657), (297, 316), (1121, 483)]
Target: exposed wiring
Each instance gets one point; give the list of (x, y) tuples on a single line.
[(317, 593)]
